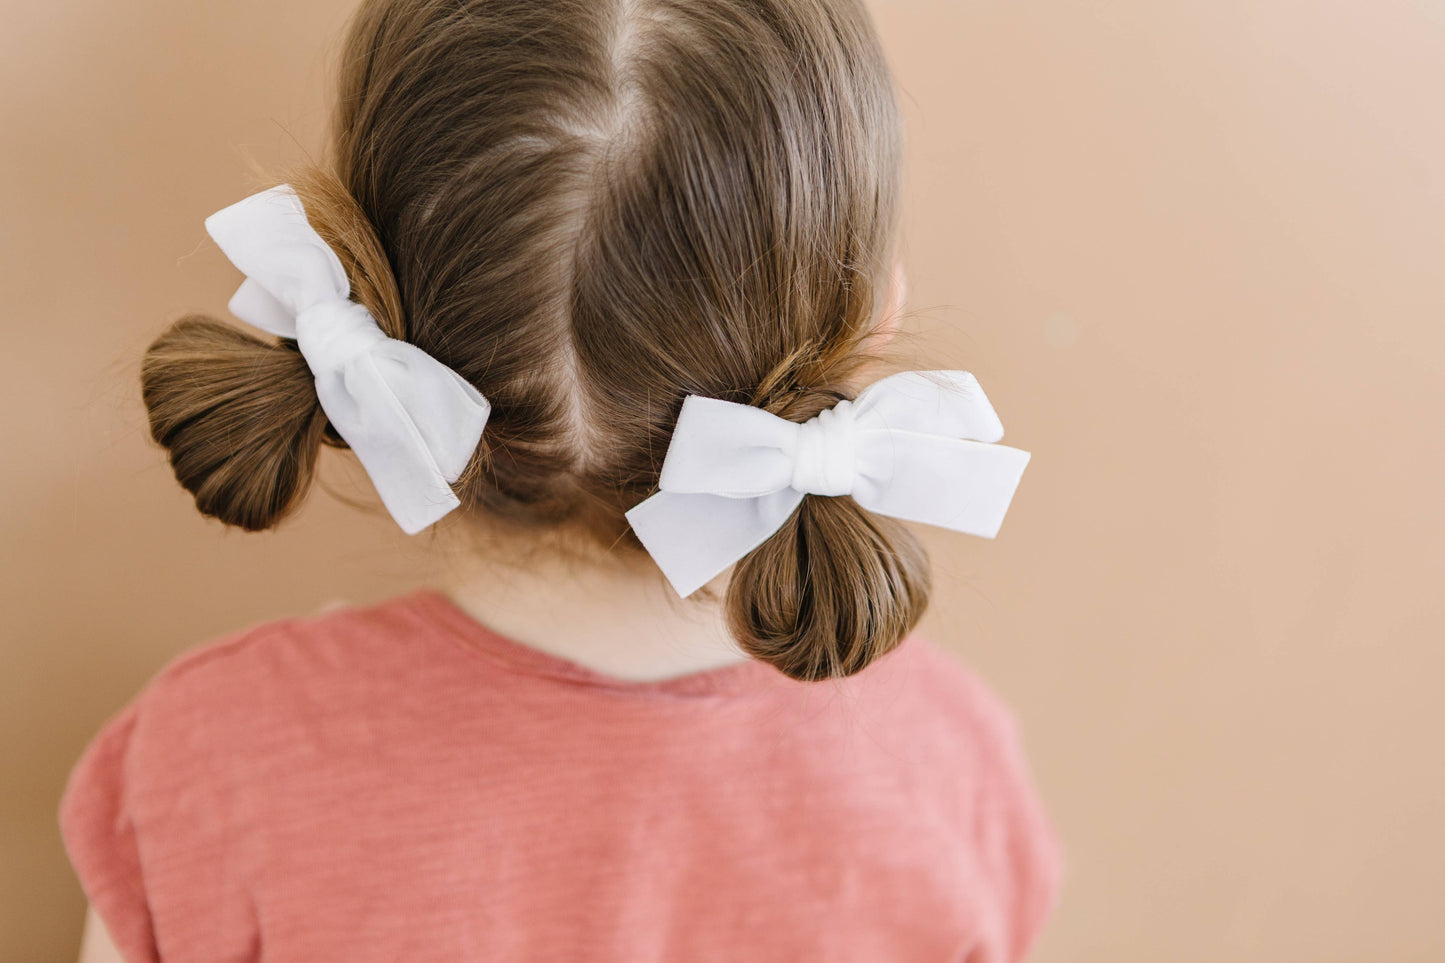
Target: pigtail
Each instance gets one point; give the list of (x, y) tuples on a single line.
[(238, 415), (831, 591)]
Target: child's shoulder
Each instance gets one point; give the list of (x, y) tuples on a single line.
[(238, 691), (1020, 843), (224, 710), (298, 651), (173, 773), (959, 696)]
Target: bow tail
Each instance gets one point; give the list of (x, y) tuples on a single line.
[(953, 483), (379, 417), (695, 537)]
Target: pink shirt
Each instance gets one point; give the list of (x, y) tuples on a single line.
[(399, 783)]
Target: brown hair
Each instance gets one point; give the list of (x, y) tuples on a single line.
[(591, 210)]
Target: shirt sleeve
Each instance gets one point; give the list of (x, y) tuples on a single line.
[(99, 832), (1020, 841)]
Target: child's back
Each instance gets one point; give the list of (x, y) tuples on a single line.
[(398, 783), (605, 281)]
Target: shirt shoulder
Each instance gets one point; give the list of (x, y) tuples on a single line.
[(228, 694), (292, 651), (1018, 846), (159, 793), (961, 698)]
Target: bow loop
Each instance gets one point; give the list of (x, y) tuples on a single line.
[(918, 446), (711, 435), (413, 422)]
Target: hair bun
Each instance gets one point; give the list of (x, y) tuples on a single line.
[(239, 417), (831, 591)]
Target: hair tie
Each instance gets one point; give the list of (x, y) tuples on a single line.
[(917, 446), (413, 422)]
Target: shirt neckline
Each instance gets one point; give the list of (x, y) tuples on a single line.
[(739, 678)]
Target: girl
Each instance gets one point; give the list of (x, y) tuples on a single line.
[(602, 284)]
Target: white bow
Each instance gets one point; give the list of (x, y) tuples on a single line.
[(413, 422), (916, 446)]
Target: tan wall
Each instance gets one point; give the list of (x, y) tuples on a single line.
[(1193, 250)]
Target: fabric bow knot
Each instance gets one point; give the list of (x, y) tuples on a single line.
[(413, 422), (825, 455), (918, 446)]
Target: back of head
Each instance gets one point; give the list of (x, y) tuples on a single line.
[(590, 211)]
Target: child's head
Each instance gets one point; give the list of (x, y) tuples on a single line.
[(591, 210)]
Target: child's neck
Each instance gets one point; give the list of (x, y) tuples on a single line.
[(612, 613)]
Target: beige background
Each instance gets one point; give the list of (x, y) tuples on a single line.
[(1192, 248)]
